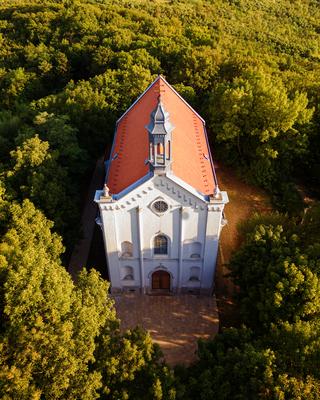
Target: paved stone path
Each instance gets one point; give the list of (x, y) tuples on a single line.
[(174, 322), (81, 250)]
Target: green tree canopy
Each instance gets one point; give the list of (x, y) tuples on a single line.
[(60, 340), (36, 174), (277, 280), (258, 120), (238, 365)]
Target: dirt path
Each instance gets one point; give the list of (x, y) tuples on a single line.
[(244, 200)]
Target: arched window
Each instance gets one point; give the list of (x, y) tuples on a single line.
[(160, 245), (126, 249), (194, 274), (160, 153), (127, 273)]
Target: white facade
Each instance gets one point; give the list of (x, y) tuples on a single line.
[(191, 225)]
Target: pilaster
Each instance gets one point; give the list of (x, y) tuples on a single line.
[(214, 215), (180, 265), (111, 246), (140, 245)]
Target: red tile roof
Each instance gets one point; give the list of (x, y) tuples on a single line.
[(191, 160)]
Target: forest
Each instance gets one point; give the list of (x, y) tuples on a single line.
[(68, 70)]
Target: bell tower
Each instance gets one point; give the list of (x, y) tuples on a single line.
[(160, 142)]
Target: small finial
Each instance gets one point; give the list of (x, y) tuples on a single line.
[(105, 195), (106, 191), (216, 192)]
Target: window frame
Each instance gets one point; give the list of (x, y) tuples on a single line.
[(159, 212), (156, 248)]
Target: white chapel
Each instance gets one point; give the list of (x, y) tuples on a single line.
[(161, 210)]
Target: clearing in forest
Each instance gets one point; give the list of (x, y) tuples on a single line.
[(176, 324)]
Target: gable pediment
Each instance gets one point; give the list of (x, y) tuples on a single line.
[(158, 187)]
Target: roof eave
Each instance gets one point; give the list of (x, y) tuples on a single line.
[(210, 157), (132, 186)]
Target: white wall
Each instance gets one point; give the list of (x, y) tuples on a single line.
[(132, 219)]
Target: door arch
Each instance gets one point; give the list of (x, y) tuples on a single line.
[(161, 280)]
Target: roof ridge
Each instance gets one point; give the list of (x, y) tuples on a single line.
[(160, 77), (136, 101), (181, 98)]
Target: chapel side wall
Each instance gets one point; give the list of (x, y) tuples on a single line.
[(213, 227), (111, 247)]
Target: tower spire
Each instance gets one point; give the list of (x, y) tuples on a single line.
[(159, 130)]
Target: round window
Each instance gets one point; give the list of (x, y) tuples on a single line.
[(160, 206)]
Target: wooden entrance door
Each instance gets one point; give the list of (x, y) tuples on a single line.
[(161, 280)]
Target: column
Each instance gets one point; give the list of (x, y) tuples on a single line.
[(211, 248), (111, 247), (140, 246), (180, 266)]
